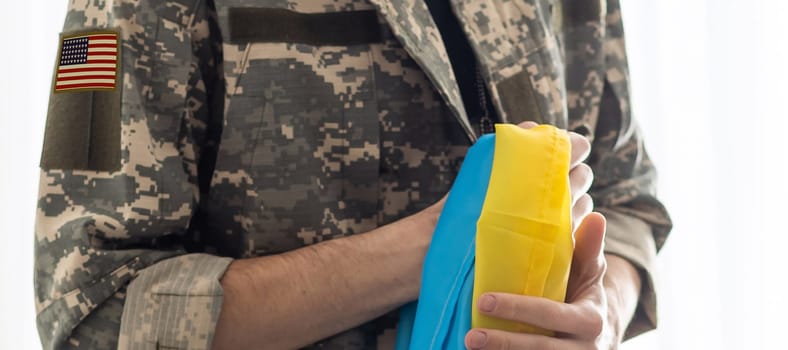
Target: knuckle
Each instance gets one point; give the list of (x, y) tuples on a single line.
[(505, 343), (595, 324), (602, 266), (585, 170), (527, 124), (579, 141), (583, 206), (581, 176), (574, 175), (588, 202), (506, 308), (554, 315), (546, 344)]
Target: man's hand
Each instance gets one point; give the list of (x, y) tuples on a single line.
[(580, 175), (581, 323)]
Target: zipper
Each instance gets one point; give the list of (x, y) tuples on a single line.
[(486, 124)]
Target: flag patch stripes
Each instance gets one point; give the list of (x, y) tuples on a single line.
[(88, 62)]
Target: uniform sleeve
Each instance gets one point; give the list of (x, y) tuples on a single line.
[(111, 265), (625, 178)]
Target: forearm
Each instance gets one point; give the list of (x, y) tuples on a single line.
[(297, 298), (622, 286)]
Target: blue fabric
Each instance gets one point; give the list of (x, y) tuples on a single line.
[(442, 316), (461, 322)]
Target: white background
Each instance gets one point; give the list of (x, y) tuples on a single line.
[(710, 91)]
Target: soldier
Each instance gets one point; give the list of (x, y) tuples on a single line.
[(209, 167)]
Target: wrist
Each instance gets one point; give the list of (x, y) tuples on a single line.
[(432, 213), (622, 288)]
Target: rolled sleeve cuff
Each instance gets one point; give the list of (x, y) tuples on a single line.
[(174, 304), (632, 239)]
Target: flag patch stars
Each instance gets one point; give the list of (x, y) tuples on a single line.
[(88, 62)]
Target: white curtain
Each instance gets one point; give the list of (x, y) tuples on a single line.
[(29, 31), (709, 84), (709, 87)]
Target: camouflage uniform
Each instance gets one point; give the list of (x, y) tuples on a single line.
[(231, 146)]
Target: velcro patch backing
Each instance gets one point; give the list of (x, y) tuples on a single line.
[(84, 117), (285, 26)]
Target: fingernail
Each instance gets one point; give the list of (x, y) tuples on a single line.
[(487, 303), (478, 340)]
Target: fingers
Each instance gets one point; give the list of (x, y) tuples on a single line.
[(590, 238), (491, 339), (527, 125), (580, 180), (580, 175), (583, 207), (581, 321), (581, 148), (588, 261)]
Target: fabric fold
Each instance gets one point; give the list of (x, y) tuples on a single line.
[(505, 227)]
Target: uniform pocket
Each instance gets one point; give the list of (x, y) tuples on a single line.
[(299, 158)]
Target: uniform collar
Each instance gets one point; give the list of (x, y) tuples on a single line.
[(412, 24)]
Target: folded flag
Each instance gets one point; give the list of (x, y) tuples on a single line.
[(505, 227)]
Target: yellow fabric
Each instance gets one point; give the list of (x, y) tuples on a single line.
[(524, 237)]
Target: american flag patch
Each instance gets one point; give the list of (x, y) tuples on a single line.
[(88, 62)]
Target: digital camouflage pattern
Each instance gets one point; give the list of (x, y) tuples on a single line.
[(240, 149)]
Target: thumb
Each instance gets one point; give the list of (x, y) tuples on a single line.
[(590, 238), (588, 261)]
